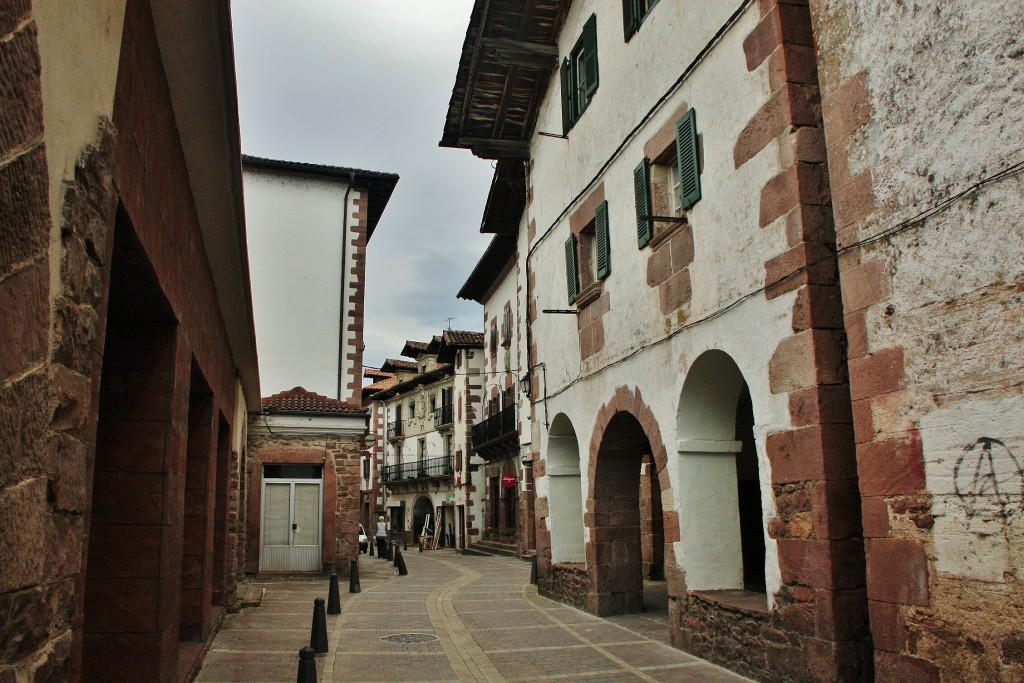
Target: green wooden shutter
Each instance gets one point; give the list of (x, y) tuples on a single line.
[(686, 156), (572, 273), (630, 19), (604, 263), (642, 195), (567, 110), (589, 41)]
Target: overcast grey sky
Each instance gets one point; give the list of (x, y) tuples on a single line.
[(366, 84)]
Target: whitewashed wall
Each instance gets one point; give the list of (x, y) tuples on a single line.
[(295, 225), (730, 248)]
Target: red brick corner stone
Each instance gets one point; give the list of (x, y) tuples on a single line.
[(897, 571)]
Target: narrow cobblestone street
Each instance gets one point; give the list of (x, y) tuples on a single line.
[(481, 618)]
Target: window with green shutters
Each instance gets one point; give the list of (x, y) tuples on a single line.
[(604, 263), (633, 14), (579, 75), (572, 275), (668, 185), (588, 255), (642, 197), (688, 160)]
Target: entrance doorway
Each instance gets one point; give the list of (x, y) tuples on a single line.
[(292, 528)]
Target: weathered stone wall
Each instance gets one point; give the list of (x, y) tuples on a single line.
[(568, 583), (63, 168), (923, 108)]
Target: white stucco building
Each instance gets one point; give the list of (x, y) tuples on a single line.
[(661, 185), (309, 226)]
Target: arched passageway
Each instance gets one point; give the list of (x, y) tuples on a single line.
[(721, 515), (565, 495), (420, 510), (616, 549)]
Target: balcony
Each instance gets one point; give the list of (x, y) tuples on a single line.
[(496, 436), (430, 468), (443, 417), (395, 429)]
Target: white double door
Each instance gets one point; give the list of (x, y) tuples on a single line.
[(292, 525)]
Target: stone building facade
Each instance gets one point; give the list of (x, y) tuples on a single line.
[(129, 358), (765, 306), (924, 127)]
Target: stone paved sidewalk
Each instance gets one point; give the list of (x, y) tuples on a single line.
[(480, 618)]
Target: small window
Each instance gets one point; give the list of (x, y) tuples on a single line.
[(633, 14), (506, 327), (587, 255), (579, 75), (668, 185), (494, 338)]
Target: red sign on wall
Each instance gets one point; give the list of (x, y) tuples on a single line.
[(508, 480)]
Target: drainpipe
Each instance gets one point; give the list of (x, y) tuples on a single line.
[(344, 266)]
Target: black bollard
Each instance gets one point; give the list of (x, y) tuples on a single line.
[(371, 544), (334, 596), (318, 634), (307, 666), (533, 570), (391, 551), (353, 579), (400, 563)]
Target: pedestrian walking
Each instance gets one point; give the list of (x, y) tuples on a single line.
[(381, 536)]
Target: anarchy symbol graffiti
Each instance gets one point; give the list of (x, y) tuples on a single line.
[(989, 479)]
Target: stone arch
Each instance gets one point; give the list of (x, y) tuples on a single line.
[(625, 432), (721, 520), (565, 493)]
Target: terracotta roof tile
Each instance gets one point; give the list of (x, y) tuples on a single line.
[(463, 338), (377, 374), (298, 400), (392, 364)]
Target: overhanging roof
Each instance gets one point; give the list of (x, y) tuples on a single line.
[(196, 48), (508, 56), (378, 184), (488, 268)]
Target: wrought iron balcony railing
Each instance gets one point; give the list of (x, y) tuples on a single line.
[(442, 416), (417, 469), (495, 427), (394, 429)]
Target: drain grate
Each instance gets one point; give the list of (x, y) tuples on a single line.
[(410, 638)]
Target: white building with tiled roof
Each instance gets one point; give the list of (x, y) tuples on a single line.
[(308, 230)]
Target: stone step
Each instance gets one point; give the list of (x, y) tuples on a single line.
[(492, 548)]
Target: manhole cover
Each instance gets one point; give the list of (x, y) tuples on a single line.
[(410, 638)]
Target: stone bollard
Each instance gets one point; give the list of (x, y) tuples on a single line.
[(318, 634), (533, 570), (353, 579), (307, 666), (400, 563), (334, 596)]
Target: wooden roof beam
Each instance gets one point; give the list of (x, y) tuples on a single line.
[(522, 53), (487, 148)]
